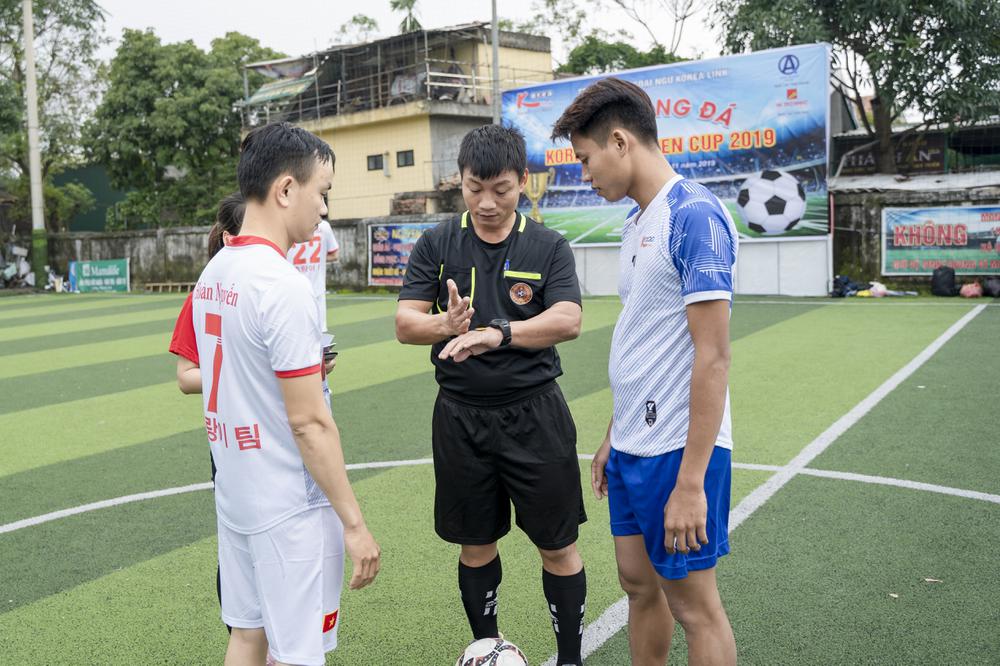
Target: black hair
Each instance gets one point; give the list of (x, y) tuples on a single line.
[(229, 218), (607, 104), (490, 150), (275, 149)]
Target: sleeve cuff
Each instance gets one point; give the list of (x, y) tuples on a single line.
[(699, 296), (189, 354), (302, 372)]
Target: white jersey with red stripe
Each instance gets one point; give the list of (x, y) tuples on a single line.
[(310, 260), (255, 321)]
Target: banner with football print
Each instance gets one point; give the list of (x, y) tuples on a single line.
[(389, 248), (915, 241), (752, 128)]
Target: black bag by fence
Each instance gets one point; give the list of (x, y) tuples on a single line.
[(991, 287), (943, 282)]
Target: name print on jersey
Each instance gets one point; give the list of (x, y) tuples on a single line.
[(219, 294)]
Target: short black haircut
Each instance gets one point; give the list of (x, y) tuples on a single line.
[(607, 104), (490, 150), (275, 149)]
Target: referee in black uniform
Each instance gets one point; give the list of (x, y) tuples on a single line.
[(494, 292)]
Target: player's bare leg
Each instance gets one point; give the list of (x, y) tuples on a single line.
[(650, 624), (563, 562), (696, 604), (478, 556), (246, 646)]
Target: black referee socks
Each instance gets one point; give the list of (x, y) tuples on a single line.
[(567, 598), (479, 587)]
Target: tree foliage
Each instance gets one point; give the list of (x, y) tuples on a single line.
[(597, 56), (940, 58), (356, 30), (167, 128), (68, 34), (409, 10)]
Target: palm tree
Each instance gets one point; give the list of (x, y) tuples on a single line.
[(410, 22)]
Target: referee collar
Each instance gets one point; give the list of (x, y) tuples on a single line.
[(520, 221)]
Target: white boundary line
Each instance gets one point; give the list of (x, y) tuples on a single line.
[(615, 617), (180, 490)]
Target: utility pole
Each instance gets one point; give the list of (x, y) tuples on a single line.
[(496, 66), (39, 241)]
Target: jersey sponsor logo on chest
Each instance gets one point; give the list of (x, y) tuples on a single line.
[(647, 241)]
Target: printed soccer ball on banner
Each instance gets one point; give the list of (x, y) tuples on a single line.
[(771, 202), (491, 652)]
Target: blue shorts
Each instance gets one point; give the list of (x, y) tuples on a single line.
[(638, 489)]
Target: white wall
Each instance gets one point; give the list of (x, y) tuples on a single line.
[(789, 267)]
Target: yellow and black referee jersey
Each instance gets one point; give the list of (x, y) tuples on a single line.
[(516, 279)]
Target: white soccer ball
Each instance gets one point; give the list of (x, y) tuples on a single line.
[(771, 202), (491, 652)]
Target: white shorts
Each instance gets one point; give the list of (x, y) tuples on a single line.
[(287, 580)]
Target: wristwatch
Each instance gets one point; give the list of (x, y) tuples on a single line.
[(503, 326)]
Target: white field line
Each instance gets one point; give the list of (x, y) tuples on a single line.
[(902, 483), (180, 490), (616, 616)]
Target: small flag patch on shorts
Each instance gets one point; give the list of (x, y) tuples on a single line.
[(330, 621)]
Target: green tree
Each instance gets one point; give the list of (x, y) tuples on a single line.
[(68, 34), (409, 7), (940, 58), (597, 56), (167, 127), (356, 30)]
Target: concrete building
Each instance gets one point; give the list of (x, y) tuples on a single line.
[(394, 110)]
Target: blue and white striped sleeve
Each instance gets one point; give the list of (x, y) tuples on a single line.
[(702, 248)]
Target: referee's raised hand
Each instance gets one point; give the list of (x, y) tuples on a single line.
[(459, 313)]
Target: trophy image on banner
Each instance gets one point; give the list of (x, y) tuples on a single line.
[(535, 188)]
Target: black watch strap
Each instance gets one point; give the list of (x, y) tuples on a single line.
[(503, 326)]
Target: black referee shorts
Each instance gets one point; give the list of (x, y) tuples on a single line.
[(487, 456)]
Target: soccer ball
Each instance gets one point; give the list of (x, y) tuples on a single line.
[(491, 652), (771, 202)]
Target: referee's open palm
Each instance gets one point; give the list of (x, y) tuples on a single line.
[(459, 312)]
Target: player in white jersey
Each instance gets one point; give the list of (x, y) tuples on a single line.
[(665, 464), (310, 258), (285, 507)]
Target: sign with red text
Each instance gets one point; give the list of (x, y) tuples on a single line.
[(743, 126), (915, 241)]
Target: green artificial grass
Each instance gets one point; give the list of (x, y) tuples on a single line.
[(93, 412), (791, 381), (940, 425)]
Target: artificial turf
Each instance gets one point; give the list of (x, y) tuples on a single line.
[(91, 417)]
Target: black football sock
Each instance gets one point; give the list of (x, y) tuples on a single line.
[(567, 598), (479, 587)]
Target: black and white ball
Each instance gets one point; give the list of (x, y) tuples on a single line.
[(771, 202), (491, 652)]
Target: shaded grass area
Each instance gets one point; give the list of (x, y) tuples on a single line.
[(940, 425), (55, 318)]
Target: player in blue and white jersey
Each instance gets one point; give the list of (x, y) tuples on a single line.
[(665, 462)]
